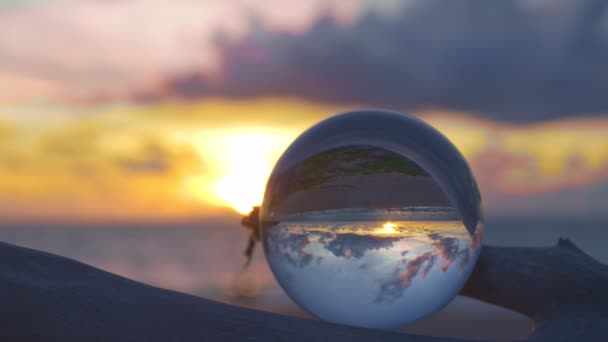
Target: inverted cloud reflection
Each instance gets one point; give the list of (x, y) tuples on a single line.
[(416, 249)]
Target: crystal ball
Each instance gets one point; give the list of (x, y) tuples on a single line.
[(371, 218)]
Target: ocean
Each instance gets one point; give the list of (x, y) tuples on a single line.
[(206, 259)]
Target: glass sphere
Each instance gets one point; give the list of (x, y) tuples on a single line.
[(371, 218)]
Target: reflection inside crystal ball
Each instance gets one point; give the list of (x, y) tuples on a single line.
[(357, 232)]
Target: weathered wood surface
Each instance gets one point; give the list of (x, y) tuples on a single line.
[(564, 290), (44, 297)]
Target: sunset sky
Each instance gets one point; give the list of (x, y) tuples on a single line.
[(160, 110)]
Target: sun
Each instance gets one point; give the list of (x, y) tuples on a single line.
[(243, 185), (238, 164), (388, 228)]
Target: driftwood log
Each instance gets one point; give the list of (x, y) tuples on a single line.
[(45, 297)]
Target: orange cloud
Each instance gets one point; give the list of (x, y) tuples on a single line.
[(183, 160), (543, 157)]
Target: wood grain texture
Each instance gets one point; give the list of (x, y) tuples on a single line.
[(45, 297)]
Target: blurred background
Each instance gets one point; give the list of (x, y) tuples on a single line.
[(134, 134)]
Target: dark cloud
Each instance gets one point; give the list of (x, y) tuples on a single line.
[(446, 249), (144, 166), (431, 261), (500, 59), (354, 245), (291, 248), (394, 287), (156, 157), (152, 157)]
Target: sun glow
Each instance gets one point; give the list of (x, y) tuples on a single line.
[(239, 163)]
